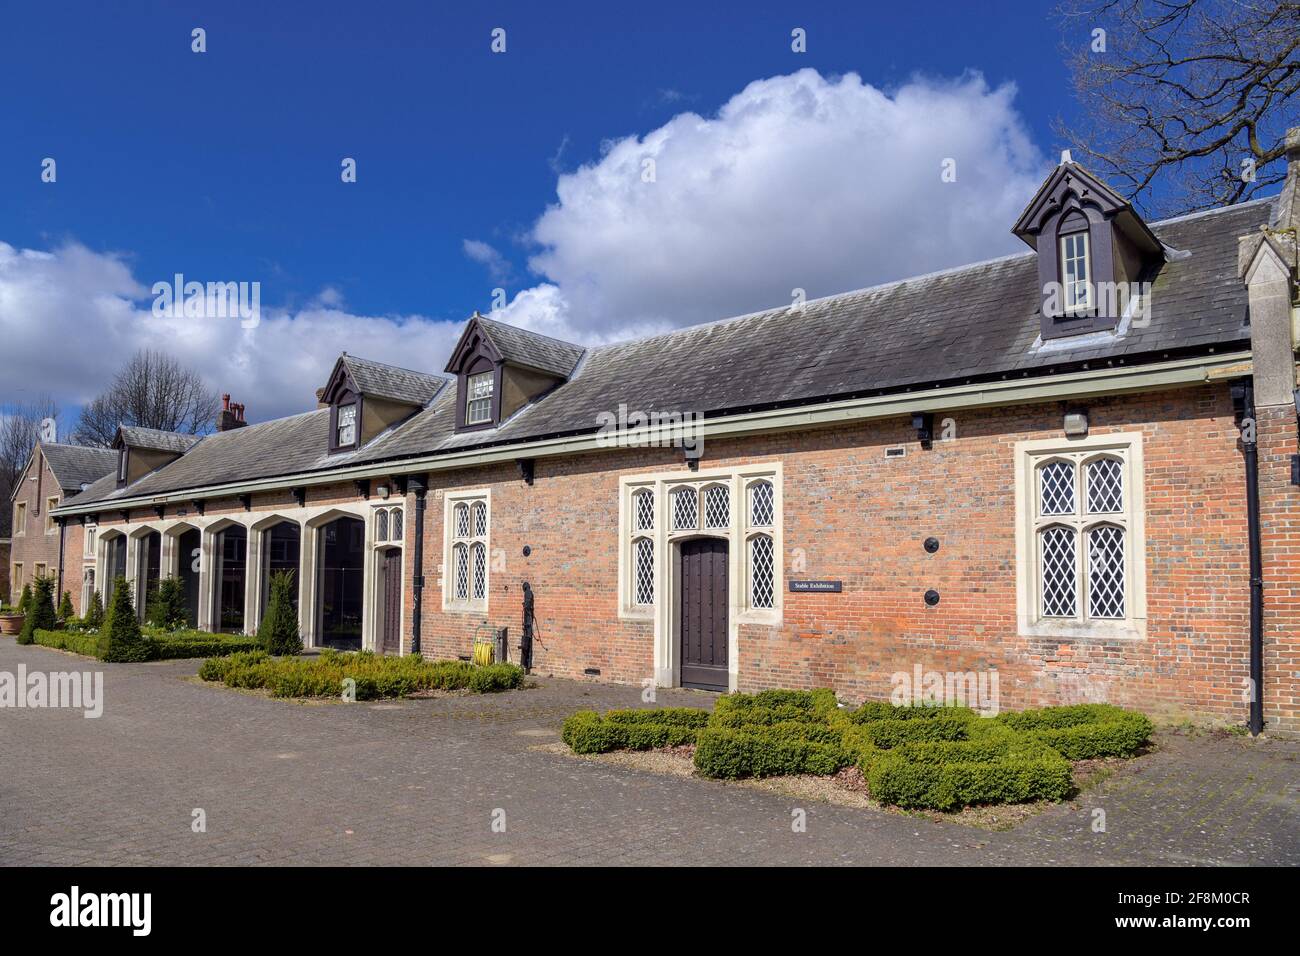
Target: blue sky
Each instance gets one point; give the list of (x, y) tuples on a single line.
[(225, 165)]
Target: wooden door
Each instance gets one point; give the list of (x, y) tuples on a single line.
[(703, 614), (391, 634)]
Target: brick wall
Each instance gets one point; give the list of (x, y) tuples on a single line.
[(852, 514), (1280, 549), (30, 545)]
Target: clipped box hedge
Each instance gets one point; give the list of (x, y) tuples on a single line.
[(159, 645), (923, 757), (376, 676), (586, 732), (769, 750)]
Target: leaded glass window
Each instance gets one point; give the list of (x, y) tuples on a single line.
[(761, 504), (717, 506), (1058, 567), (762, 572), (685, 509), (643, 571), (643, 510)]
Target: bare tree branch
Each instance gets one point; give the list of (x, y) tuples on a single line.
[(153, 390), (20, 427), (1195, 94)]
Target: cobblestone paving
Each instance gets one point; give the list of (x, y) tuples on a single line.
[(417, 782)]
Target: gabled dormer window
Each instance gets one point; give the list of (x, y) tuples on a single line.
[(1076, 274), (1094, 252), (478, 399), (345, 435)]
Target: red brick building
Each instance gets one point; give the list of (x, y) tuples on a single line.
[(40, 544), (1072, 468)]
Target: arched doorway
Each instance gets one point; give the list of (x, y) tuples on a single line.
[(281, 551), (230, 577), (388, 589), (148, 570), (340, 583), (188, 555), (702, 613), (114, 545)]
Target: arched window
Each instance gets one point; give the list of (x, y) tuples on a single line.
[(762, 507), (717, 506), (1057, 571), (395, 524), (381, 525), (643, 510), (1056, 488), (467, 551), (1106, 571), (686, 509), (1104, 486)]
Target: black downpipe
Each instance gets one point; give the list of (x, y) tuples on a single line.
[(526, 639), (419, 485), (1243, 398), (63, 530)]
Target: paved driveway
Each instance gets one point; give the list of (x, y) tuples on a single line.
[(419, 782)]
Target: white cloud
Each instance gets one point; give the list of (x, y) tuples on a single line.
[(70, 318), (799, 181), (497, 265)]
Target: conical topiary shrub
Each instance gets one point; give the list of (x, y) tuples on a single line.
[(95, 613), (121, 639), (167, 607), (278, 632), (40, 611), (25, 599), (65, 607)]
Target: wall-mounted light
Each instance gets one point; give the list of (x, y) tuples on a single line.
[(383, 492), (1076, 424), (923, 422)]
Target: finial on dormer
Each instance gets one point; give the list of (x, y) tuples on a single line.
[(1066, 157)]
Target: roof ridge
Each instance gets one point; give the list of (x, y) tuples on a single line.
[(540, 335), (1214, 211), (397, 368)]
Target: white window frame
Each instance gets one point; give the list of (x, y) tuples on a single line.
[(339, 426), (470, 604), (51, 526), (1074, 306), (471, 397), (665, 539), (1030, 455), (88, 534)]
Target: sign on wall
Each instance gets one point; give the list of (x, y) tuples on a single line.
[(806, 587)]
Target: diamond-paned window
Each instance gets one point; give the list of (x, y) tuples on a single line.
[(461, 514), (396, 524), (381, 525), (1106, 572), (480, 571), (480, 519), (643, 510), (1056, 488), (717, 507), (762, 572), (686, 509), (761, 504), (1105, 488), (643, 551), (461, 554), (1058, 571)]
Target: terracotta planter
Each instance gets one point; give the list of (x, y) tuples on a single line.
[(11, 623)]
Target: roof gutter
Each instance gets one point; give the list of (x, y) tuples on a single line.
[(1049, 388)]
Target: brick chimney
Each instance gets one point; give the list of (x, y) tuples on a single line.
[(320, 398), (231, 416)]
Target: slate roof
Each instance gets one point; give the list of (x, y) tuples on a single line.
[(391, 382), (77, 465), (522, 347), (155, 440), (975, 322)]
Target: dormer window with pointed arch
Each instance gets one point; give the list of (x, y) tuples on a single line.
[(1094, 252), (499, 369), (367, 398)]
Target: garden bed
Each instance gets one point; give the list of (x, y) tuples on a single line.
[(160, 645), (376, 677), (912, 758)]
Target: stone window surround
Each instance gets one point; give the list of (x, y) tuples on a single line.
[(1028, 454), (467, 497), (737, 479), (309, 520)]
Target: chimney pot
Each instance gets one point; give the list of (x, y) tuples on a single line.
[(225, 402)]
